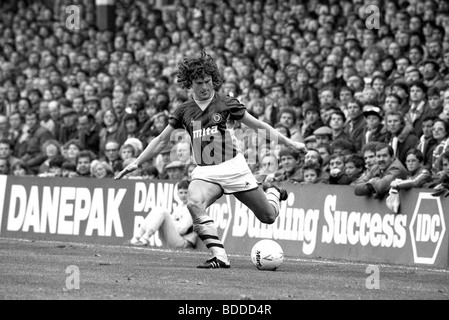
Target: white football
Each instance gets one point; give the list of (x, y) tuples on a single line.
[(267, 255)]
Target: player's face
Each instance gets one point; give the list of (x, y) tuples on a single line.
[(203, 88)]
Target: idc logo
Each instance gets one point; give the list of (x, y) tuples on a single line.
[(427, 228)]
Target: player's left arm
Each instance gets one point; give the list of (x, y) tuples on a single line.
[(272, 133)]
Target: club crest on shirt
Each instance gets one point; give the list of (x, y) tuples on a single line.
[(217, 118)]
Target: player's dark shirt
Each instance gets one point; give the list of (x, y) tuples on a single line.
[(212, 143)]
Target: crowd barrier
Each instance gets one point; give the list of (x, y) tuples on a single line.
[(317, 221)]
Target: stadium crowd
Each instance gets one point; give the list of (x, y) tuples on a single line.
[(345, 80)]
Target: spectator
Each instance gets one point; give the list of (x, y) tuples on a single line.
[(386, 170), (312, 173), (110, 130), (374, 130), (287, 117), (337, 170), (6, 152), (356, 124), (323, 135), (55, 167), (418, 174), (175, 170), (5, 167), (71, 149), (112, 155), (443, 175), (426, 142), (68, 129), (268, 164), (127, 151), (51, 149), (21, 169), (337, 124), (89, 132), (83, 163), (354, 168), (290, 165), (400, 144), (101, 170), (312, 120), (37, 135), (68, 169), (419, 107), (440, 132)]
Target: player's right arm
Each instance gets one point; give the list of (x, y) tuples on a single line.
[(153, 149)]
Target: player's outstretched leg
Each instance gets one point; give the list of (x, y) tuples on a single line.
[(274, 195)]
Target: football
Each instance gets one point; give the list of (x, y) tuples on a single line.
[(267, 255)]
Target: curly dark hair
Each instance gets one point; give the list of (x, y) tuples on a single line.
[(193, 68)]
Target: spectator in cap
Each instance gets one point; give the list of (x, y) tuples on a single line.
[(175, 170), (323, 135), (310, 142), (374, 130), (69, 129)]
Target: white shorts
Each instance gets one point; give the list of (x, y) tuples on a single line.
[(232, 175)]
